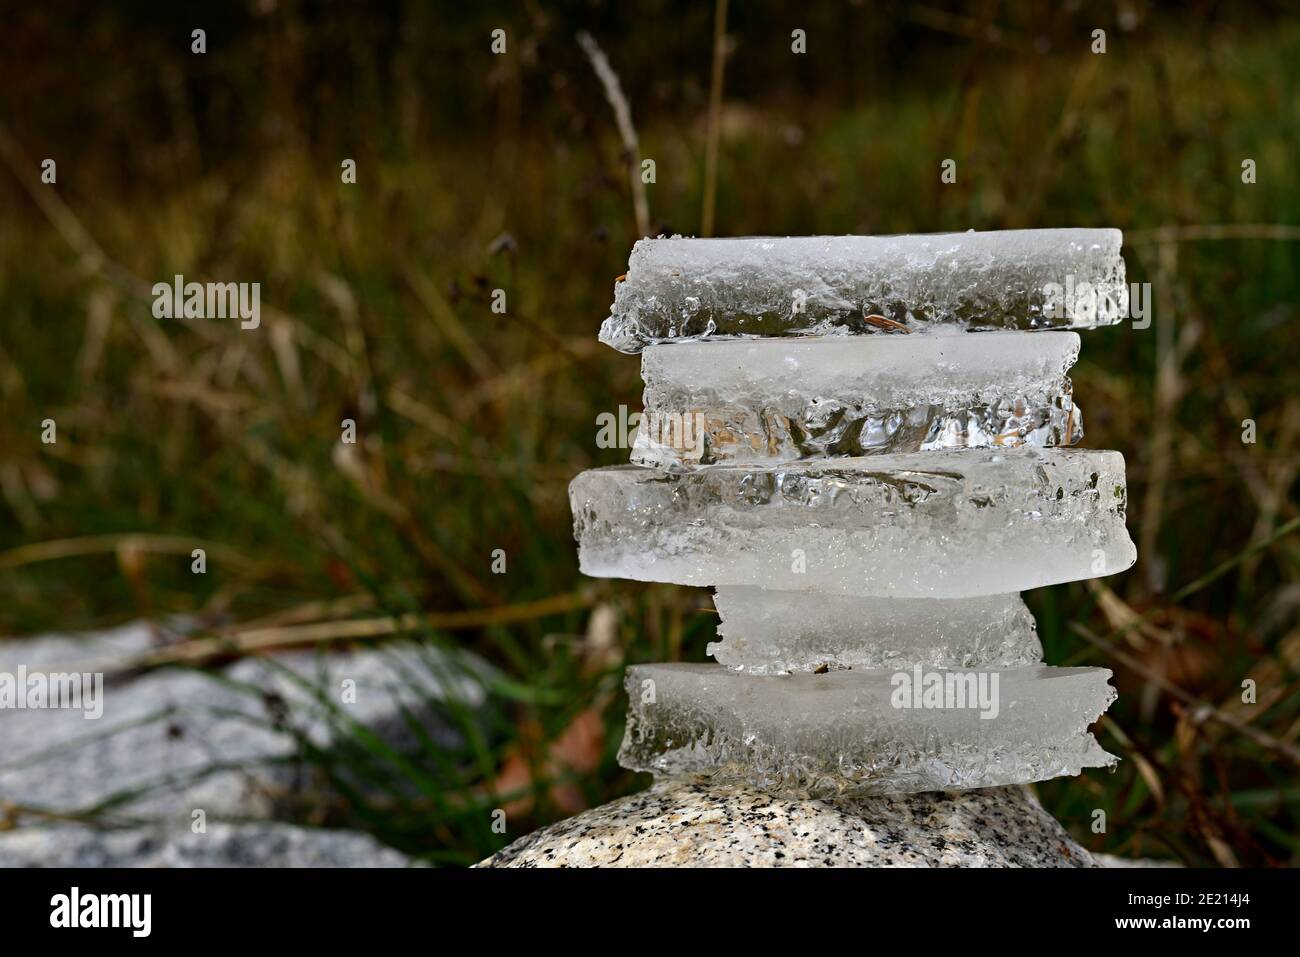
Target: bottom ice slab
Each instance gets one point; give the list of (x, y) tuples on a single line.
[(768, 632), (869, 732)]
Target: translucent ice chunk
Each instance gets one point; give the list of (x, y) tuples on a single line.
[(767, 400), (772, 632), (817, 735), (766, 286), (924, 524)]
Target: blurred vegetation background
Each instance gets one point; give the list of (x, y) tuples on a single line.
[(478, 171)]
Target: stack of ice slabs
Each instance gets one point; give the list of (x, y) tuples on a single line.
[(868, 484)]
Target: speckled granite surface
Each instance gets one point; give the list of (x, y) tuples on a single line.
[(689, 822)]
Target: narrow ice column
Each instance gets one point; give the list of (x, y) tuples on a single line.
[(816, 285), (925, 524), (865, 731), (773, 632), (768, 400)]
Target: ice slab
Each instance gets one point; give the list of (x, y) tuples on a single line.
[(820, 735), (950, 524), (768, 400), (774, 632), (813, 285)]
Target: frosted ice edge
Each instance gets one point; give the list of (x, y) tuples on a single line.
[(822, 735), (930, 524), (825, 285), (773, 632)]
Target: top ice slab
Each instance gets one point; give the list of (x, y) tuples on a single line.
[(684, 289)]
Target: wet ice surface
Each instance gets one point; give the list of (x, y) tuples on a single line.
[(820, 735), (931, 524), (769, 400), (771, 632), (815, 285)]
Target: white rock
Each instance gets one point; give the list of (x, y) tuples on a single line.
[(176, 739), (222, 845)]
